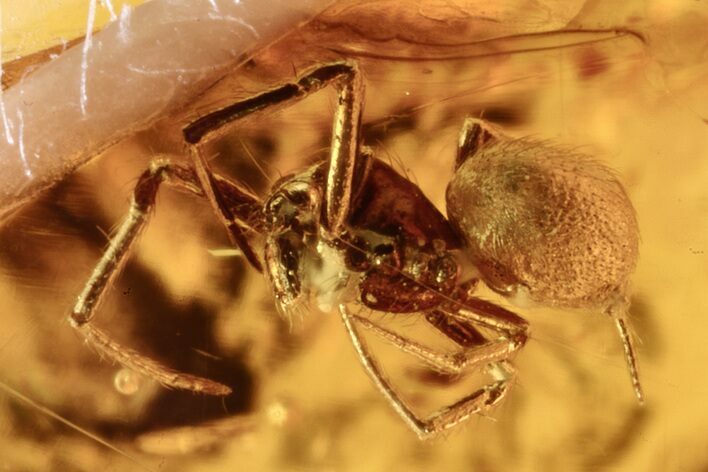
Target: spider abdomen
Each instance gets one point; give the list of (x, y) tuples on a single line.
[(555, 222)]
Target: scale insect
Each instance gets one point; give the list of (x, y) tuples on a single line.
[(533, 220)]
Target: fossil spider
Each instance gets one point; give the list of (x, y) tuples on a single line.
[(351, 218)]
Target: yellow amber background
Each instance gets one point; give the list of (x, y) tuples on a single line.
[(639, 107)]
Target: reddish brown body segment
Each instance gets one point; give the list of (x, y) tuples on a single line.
[(391, 205)]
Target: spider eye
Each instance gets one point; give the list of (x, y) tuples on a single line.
[(444, 270), (293, 207)]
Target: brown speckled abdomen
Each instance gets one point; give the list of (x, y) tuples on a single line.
[(543, 217)]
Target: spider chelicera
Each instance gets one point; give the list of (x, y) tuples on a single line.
[(352, 219)]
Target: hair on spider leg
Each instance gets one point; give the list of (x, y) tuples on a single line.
[(396, 162), (255, 161)]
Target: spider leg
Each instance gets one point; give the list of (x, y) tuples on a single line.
[(445, 418), (344, 165), (459, 316), (469, 357), (119, 247), (456, 324), (461, 333), (475, 310), (618, 312), (218, 202), (344, 162)]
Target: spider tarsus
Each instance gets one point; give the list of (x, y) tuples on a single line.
[(150, 368), (199, 385)]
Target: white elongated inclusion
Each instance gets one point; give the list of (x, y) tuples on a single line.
[(149, 62)]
